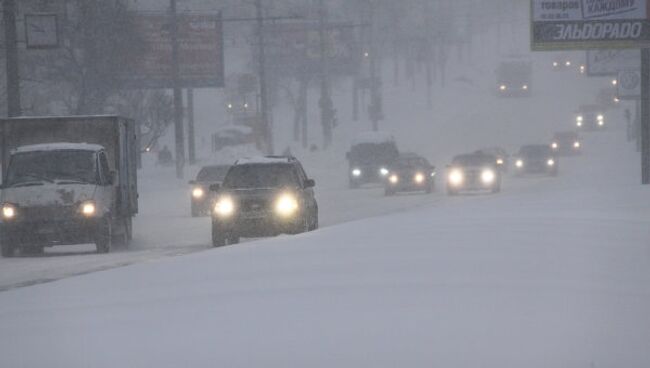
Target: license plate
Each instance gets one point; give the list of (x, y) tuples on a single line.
[(253, 215)]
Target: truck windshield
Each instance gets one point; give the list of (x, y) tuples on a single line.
[(260, 176), (50, 166)]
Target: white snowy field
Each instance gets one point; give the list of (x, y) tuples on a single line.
[(553, 273)]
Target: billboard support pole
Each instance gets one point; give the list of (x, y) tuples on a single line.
[(178, 95), (645, 116), (11, 50), (191, 136)]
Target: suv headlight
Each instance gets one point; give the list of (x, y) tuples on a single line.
[(488, 176), (224, 207), (198, 192), (286, 205), (456, 177), (8, 211), (88, 208)]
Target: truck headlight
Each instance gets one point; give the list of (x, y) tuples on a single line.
[(456, 177), (488, 176), (419, 178), (550, 162), (8, 211), (356, 172), (88, 208), (224, 207), (519, 163), (393, 179), (383, 171), (198, 193), (286, 205)]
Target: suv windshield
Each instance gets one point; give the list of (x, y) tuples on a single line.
[(72, 165), (213, 173), (535, 151), (260, 176), (474, 160), (373, 153)]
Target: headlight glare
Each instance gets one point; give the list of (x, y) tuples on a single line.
[(356, 172), (88, 209), (198, 193), (8, 211), (456, 177), (519, 163), (286, 205), (224, 206), (383, 171), (550, 162), (393, 179), (488, 176), (419, 178), (576, 145), (554, 145)]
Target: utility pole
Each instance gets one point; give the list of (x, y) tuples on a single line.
[(325, 102), (375, 109), (11, 49), (645, 116), (191, 144), (178, 95), (267, 133)]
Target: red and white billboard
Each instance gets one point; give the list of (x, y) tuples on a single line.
[(201, 61)]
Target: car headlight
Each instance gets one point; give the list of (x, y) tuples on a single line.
[(356, 172), (550, 162), (554, 145), (524, 87), (579, 119), (488, 176), (419, 178), (600, 117), (198, 193), (499, 161), (555, 63), (568, 63), (88, 208), (8, 211), (224, 207), (519, 163), (503, 87), (576, 145), (393, 179), (383, 171), (456, 177), (286, 205), (601, 123)]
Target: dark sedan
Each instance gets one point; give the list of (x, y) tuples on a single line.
[(410, 173)]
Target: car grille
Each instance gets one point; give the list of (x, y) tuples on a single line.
[(254, 205)]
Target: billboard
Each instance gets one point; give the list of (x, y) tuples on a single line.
[(604, 63), (294, 48), (583, 24), (201, 61)]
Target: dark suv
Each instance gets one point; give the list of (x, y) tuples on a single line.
[(263, 196)]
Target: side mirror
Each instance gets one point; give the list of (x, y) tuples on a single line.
[(215, 187), (310, 183)]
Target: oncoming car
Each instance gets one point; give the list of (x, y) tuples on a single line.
[(370, 156), (473, 172), (410, 173), (566, 143), (263, 196), (590, 117), (536, 159), (200, 196)]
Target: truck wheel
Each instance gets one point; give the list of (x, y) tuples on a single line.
[(7, 247), (218, 238), (314, 220), (104, 237)]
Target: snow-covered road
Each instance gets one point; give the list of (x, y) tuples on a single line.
[(552, 273)]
